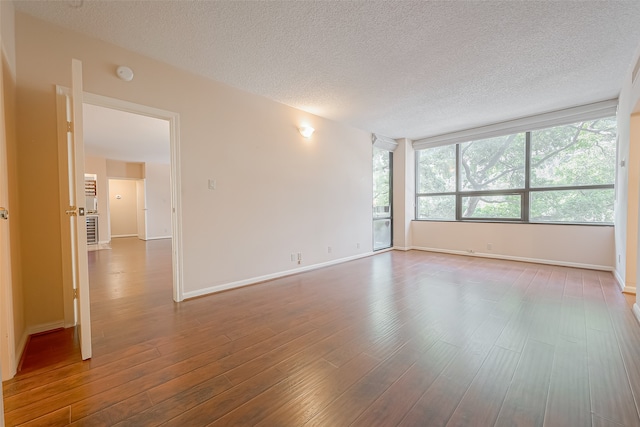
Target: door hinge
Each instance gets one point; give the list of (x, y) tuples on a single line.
[(69, 127), (75, 293)]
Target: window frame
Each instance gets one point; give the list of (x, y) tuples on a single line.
[(390, 216), (525, 193)]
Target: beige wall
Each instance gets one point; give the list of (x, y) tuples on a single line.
[(585, 246), (277, 193), (158, 193), (120, 169), (123, 207), (633, 170), (98, 166)]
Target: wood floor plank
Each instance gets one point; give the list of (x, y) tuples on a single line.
[(568, 402), (60, 417), (265, 403), (415, 337), (483, 399), (302, 408), (526, 399), (441, 398), (601, 422), (611, 396), (178, 403), (391, 407), (346, 407)]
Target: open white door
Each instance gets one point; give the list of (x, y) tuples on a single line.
[(76, 210), (7, 345)]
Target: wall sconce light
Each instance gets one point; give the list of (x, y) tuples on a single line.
[(306, 131), (124, 73)]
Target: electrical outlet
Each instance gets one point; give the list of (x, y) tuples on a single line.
[(357, 245), (489, 246), (328, 249), (212, 184)]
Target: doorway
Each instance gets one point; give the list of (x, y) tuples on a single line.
[(156, 172), (122, 169)]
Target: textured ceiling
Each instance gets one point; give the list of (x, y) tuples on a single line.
[(119, 135), (402, 69)]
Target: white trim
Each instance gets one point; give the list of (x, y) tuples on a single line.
[(540, 121), (401, 248), (44, 327), (516, 258), (619, 280), (384, 142), (629, 290), (158, 238), (636, 311), (381, 251), (115, 236), (22, 346), (254, 280)]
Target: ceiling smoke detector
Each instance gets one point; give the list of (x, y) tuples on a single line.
[(125, 73)]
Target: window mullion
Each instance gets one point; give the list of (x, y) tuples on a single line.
[(527, 178), (458, 196)]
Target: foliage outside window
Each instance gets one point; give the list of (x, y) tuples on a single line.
[(382, 233), (563, 174)]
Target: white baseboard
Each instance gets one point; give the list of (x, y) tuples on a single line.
[(254, 280), (104, 242), (158, 238), (636, 311), (629, 290), (401, 248), (20, 348), (619, 280), (517, 258), (115, 236), (44, 327)]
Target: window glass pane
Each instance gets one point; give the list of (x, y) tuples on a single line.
[(493, 163), (572, 206), (437, 207), (381, 198), (381, 181), (578, 154), (498, 206), (381, 234), (436, 171)]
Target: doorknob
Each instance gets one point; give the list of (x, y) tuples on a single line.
[(4, 213), (71, 211)]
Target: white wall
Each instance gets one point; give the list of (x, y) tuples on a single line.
[(403, 194), (123, 207), (573, 245), (158, 192)]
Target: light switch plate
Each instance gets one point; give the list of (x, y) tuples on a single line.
[(212, 184)]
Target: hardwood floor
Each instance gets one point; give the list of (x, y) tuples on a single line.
[(399, 338)]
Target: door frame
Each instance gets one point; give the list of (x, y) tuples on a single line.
[(176, 200)]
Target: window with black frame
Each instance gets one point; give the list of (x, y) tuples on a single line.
[(562, 174), (382, 221)]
